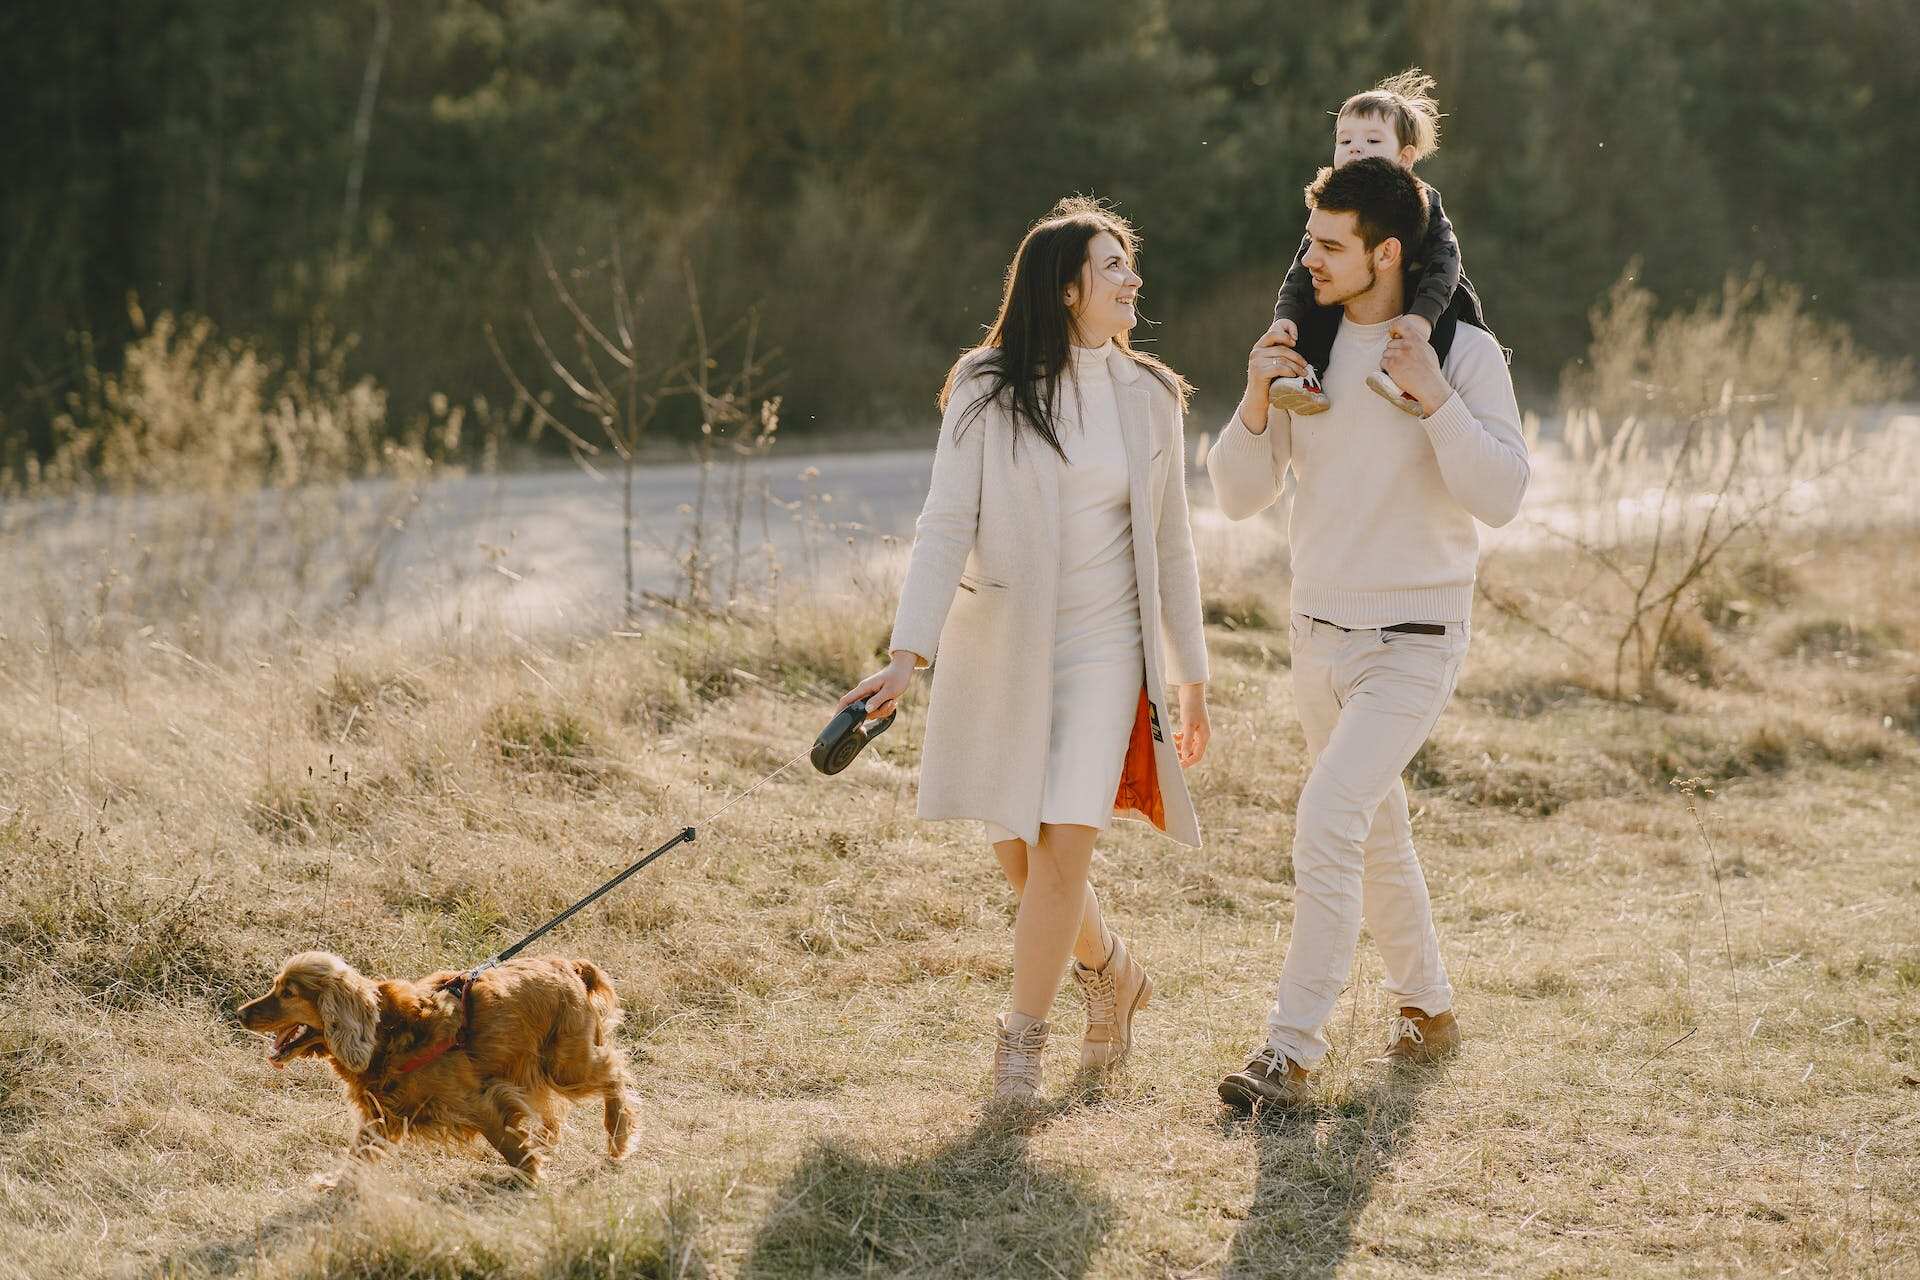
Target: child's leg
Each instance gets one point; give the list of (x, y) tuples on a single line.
[(1381, 383), (1304, 395)]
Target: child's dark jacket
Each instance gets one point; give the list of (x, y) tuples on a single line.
[(1440, 290)]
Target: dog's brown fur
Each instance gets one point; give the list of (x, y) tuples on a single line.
[(540, 1040)]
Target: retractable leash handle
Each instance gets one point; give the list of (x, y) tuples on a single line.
[(845, 735)]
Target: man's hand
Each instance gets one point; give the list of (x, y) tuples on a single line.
[(1413, 364), (1270, 358), (1415, 327)]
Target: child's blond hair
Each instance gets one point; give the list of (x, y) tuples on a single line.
[(1406, 101)]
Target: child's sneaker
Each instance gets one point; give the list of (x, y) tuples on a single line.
[(1381, 381), (1301, 395)]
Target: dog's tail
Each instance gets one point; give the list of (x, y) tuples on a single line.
[(600, 993)]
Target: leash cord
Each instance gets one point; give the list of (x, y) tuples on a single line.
[(684, 835)]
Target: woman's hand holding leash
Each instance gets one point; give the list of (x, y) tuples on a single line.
[(883, 688)]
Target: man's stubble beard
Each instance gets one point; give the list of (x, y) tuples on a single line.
[(1373, 278)]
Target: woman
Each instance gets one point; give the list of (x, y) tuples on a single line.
[(1055, 525)]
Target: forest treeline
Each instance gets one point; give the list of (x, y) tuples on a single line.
[(860, 170)]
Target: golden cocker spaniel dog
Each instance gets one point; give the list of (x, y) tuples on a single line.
[(503, 1059)]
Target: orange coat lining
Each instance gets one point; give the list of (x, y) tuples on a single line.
[(1139, 778)]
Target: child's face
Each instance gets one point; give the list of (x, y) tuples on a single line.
[(1357, 136)]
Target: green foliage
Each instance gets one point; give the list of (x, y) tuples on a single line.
[(865, 167)]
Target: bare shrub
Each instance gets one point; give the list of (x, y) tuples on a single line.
[(350, 703), (619, 376), (201, 485), (1690, 651), (1736, 595), (109, 936), (315, 808), (1846, 640), (1756, 336), (33, 1064), (1680, 456), (542, 740)]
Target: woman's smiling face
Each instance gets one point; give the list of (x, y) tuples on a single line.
[(1105, 299)]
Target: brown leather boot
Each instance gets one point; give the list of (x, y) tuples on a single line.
[(1016, 1057), (1414, 1036), (1113, 994), (1270, 1079)]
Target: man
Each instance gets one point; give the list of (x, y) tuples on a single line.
[(1384, 551)]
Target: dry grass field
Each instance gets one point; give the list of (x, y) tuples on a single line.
[(1693, 1012)]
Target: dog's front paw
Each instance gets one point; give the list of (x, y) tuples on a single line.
[(520, 1176)]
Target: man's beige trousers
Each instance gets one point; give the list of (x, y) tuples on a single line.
[(1367, 700)]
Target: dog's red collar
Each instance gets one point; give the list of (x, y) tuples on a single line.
[(462, 988)]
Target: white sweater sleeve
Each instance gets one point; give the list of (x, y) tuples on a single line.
[(1476, 434), (1247, 469)]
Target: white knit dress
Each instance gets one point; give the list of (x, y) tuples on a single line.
[(1098, 662)]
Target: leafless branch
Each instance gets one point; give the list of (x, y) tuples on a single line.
[(531, 401), (580, 317)]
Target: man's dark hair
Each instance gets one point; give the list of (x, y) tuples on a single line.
[(1384, 198)]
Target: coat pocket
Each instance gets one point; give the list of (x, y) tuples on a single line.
[(975, 583), (1157, 465)]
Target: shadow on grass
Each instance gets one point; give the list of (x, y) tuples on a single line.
[(313, 1214), (1316, 1172), (228, 1256), (976, 1205)]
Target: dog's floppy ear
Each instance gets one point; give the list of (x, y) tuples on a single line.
[(351, 1011)]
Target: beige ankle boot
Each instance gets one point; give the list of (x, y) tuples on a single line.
[(1016, 1057), (1113, 995)]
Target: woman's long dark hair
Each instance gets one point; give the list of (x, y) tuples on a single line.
[(1031, 339)]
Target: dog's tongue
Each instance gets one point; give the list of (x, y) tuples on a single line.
[(283, 1042)]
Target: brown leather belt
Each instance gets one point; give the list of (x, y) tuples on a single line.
[(1411, 628)]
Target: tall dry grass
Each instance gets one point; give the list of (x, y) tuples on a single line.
[(1692, 435), (809, 984), (196, 489), (1693, 1015), (1661, 370)]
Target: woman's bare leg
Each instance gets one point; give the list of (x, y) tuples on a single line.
[(1052, 907), (1094, 944)]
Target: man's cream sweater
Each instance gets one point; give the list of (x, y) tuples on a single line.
[(1382, 529)]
